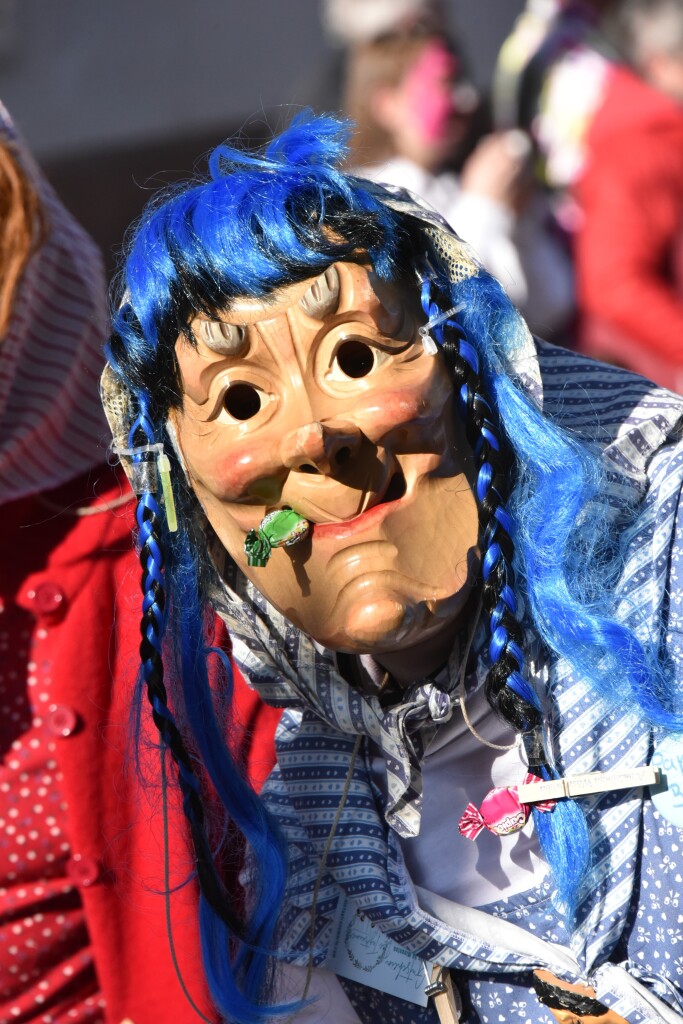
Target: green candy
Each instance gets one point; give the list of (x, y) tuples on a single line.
[(256, 548), (282, 528)]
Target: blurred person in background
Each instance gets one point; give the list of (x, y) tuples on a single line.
[(351, 23), (415, 112), (629, 246), (81, 853), (597, 85), (548, 81)]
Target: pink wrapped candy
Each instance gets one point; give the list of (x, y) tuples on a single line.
[(501, 812)]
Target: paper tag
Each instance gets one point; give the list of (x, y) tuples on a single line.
[(668, 799), (592, 782), (362, 952)]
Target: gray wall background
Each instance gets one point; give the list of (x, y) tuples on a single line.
[(88, 74), (108, 93)]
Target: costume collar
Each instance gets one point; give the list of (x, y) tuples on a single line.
[(290, 670)]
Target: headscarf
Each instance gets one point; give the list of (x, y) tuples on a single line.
[(51, 423)]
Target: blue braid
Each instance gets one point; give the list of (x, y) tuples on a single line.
[(504, 648), (563, 834), (237, 983)]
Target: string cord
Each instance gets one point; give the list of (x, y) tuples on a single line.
[(460, 684), (167, 892)]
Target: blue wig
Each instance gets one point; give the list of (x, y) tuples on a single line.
[(261, 221)]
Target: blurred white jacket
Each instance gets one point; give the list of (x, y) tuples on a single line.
[(521, 251)]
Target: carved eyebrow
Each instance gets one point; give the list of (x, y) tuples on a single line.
[(226, 339), (323, 295)]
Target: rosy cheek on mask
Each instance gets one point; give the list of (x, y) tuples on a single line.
[(246, 471), (408, 416)]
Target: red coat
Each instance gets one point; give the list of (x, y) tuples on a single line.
[(79, 579), (629, 247)]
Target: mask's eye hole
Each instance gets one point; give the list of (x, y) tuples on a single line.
[(355, 358), (242, 401)]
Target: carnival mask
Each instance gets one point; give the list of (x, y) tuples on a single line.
[(321, 398)]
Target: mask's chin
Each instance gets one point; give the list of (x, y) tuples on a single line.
[(384, 622), (388, 589), (408, 634), (389, 621)]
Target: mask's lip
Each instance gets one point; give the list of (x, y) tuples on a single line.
[(345, 528)]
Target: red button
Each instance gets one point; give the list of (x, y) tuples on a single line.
[(62, 720), (83, 871), (49, 600)]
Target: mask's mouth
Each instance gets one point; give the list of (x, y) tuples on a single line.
[(395, 491), (396, 488)]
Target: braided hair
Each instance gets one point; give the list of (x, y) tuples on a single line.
[(237, 979), (150, 517), (507, 691)]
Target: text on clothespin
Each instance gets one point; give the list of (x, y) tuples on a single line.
[(592, 782)]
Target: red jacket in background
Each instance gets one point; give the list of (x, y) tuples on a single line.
[(90, 639), (629, 246)]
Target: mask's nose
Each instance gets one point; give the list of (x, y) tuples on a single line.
[(320, 447)]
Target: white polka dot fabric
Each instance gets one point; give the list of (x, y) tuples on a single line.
[(46, 966)]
